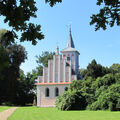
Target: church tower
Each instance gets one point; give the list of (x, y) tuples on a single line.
[(71, 55)]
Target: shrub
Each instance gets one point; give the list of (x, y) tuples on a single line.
[(108, 99), (71, 100)]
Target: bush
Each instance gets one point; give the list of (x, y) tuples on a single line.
[(93, 106), (106, 80), (71, 100), (100, 94), (108, 99)]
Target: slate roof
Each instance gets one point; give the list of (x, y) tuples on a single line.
[(70, 44)]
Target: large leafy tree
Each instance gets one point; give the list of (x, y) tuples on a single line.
[(8, 84), (95, 70), (17, 13), (109, 14), (4, 59), (12, 55)]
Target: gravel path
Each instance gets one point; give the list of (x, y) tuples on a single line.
[(5, 114)]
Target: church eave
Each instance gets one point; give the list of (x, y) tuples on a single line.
[(59, 83), (69, 50)]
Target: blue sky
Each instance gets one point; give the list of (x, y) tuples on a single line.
[(104, 46)]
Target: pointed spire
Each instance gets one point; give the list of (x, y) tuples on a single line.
[(57, 50), (70, 40)]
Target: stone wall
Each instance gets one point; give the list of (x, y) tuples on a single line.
[(50, 101)]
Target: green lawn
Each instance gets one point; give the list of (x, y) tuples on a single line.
[(2, 108), (33, 113)]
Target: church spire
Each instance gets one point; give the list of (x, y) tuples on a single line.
[(70, 40), (57, 50)]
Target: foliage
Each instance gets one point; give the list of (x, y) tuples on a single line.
[(28, 113), (109, 14), (26, 89), (117, 78), (106, 80), (106, 92), (95, 70), (52, 2), (82, 72), (12, 56), (84, 86), (8, 84), (76, 85), (17, 13), (98, 90), (116, 68), (77, 97), (42, 61), (71, 100), (3, 58), (108, 99), (4, 42)]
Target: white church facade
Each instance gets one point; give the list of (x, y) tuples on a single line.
[(57, 77)]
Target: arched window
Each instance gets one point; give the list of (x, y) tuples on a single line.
[(56, 92), (47, 92), (66, 88)]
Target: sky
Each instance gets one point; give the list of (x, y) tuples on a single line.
[(103, 46)]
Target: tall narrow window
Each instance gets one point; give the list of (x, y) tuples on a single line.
[(56, 92), (68, 58), (56, 77), (47, 92)]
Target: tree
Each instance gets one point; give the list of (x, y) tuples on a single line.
[(42, 61), (12, 55), (3, 59), (25, 92), (78, 96), (71, 100), (106, 80), (52, 2), (108, 15), (83, 72), (95, 70), (17, 14), (115, 68), (108, 99), (9, 83), (3, 53)]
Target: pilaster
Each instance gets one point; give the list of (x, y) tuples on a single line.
[(59, 61), (54, 63), (43, 74), (70, 73), (65, 70), (49, 70), (38, 96)]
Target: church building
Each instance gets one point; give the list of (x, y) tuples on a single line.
[(57, 77)]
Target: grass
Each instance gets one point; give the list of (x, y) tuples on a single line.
[(34, 113), (2, 108)]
